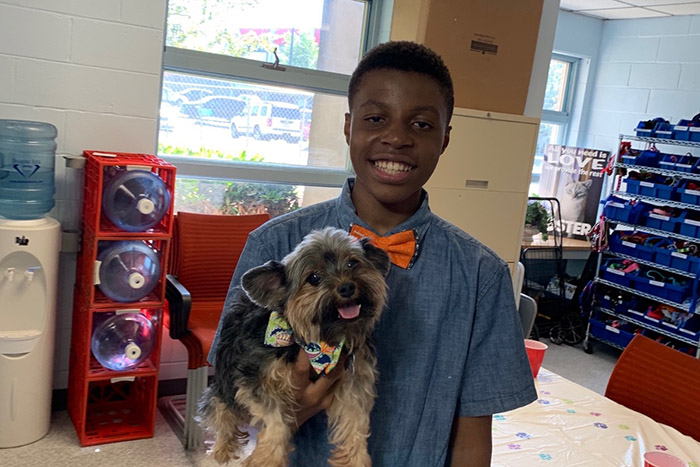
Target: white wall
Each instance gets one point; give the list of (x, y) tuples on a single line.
[(92, 68), (648, 68)]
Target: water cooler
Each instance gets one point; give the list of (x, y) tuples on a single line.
[(28, 278), (29, 251)]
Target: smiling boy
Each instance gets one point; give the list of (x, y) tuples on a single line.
[(449, 343)]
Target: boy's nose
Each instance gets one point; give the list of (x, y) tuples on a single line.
[(397, 135)]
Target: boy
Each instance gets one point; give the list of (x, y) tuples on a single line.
[(449, 343)]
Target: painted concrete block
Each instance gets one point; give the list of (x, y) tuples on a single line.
[(613, 74), (655, 75), (685, 49), (690, 77), (673, 103), (151, 13), (117, 46), (35, 34), (629, 49)]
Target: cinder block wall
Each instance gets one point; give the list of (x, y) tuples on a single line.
[(648, 68), (92, 68)]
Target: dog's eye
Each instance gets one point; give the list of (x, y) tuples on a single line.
[(352, 263), (313, 279)]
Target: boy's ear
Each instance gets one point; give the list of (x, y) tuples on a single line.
[(265, 285), (446, 139), (346, 128), (378, 257)]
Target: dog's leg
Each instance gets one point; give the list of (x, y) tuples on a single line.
[(348, 416), (273, 406), (229, 438)]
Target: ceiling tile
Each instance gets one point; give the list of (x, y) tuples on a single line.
[(685, 9), (657, 2), (623, 13), (578, 5)]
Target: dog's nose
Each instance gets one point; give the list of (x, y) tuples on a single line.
[(346, 289)]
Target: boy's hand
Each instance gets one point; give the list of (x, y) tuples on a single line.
[(313, 397)]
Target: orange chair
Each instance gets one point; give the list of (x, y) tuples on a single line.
[(205, 252), (660, 382)]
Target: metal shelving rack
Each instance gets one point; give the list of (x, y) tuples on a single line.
[(687, 307)]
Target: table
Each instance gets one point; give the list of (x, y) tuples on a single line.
[(570, 425)]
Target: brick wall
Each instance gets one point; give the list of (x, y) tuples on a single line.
[(648, 68)]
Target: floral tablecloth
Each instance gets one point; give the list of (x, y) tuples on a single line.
[(570, 425)]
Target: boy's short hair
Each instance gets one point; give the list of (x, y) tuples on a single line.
[(405, 56)]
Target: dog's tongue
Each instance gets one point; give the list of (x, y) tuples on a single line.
[(349, 312)]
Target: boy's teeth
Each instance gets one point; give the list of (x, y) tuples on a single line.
[(392, 167)]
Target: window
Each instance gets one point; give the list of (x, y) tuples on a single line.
[(253, 99), (556, 111)]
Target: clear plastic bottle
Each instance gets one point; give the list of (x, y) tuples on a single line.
[(123, 341), (135, 200), (27, 161), (129, 270)]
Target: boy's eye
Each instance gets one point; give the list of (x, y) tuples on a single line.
[(313, 279), (422, 125), (352, 263), (374, 119)]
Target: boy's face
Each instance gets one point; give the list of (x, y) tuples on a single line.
[(396, 129)]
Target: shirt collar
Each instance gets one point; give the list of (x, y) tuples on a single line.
[(419, 221)]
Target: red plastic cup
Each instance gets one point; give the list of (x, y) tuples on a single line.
[(662, 459), (535, 354)]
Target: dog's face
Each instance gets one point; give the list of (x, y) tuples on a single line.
[(331, 286)]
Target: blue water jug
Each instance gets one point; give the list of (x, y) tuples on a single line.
[(135, 200), (27, 160), (128, 271), (123, 341)]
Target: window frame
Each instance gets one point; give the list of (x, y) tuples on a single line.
[(563, 116), (217, 66)]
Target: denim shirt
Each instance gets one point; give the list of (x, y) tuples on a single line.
[(449, 342)]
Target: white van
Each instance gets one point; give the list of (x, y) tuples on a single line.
[(267, 120)]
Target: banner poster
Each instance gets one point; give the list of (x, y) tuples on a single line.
[(574, 176)]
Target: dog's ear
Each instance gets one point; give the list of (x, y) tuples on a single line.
[(265, 285), (378, 257)]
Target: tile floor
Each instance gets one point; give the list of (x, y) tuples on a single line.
[(60, 448)]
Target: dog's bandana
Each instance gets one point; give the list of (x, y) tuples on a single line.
[(323, 357), (401, 247)]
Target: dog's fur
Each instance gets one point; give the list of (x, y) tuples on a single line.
[(253, 382)]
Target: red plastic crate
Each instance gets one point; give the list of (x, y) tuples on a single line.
[(96, 169), (90, 294), (115, 409)]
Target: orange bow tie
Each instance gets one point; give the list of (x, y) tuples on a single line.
[(401, 246)]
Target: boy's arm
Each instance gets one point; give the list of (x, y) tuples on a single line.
[(470, 443)]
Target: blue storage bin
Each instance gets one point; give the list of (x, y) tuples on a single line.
[(617, 276), (636, 250), (691, 328), (673, 292), (687, 195), (687, 163), (646, 158), (680, 130), (632, 186), (694, 133), (663, 130), (619, 336), (622, 210), (683, 262), (642, 131), (690, 228), (662, 256), (661, 222)]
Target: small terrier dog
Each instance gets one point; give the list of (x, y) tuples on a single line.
[(326, 297)]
